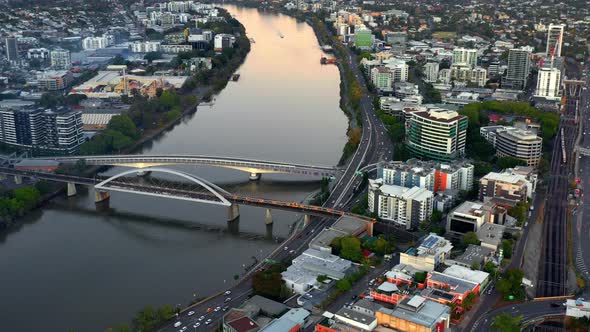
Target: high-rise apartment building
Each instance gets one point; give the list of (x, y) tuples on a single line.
[(549, 83), (465, 56), (515, 142), (58, 131), (431, 71), (404, 206), (554, 39), (519, 64), (11, 49), (437, 134), (93, 43), (61, 59)]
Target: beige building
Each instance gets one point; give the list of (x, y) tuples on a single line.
[(508, 187), (432, 252)]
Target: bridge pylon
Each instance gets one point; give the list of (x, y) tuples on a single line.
[(72, 189), (101, 196), (233, 212), (254, 176), (268, 218)]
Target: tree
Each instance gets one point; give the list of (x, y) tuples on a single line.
[(351, 249), (469, 301), (509, 162), (470, 238), (507, 323), (436, 216), (475, 266), (269, 283), (28, 196), (322, 278), (511, 283), (118, 60), (507, 248), (490, 268), (420, 277), (124, 125), (343, 285), (151, 56)]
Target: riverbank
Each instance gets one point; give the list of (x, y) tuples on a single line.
[(349, 91), (200, 93)]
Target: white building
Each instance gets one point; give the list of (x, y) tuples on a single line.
[(469, 217), (577, 308), (302, 275), (431, 71), (93, 43), (38, 53), (404, 206), (145, 47), (432, 252), (549, 83), (465, 56), (223, 40), (514, 142), (399, 69), (61, 59)]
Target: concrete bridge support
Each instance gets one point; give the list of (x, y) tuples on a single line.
[(72, 189), (18, 179), (233, 212), (268, 218), (101, 196), (306, 220), (255, 176)]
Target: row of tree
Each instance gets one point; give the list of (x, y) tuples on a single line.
[(16, 202)]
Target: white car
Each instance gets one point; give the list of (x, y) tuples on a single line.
[(208, 321), (201, 318), (190, 313), (217, 308), (227, 292), (197, 325)]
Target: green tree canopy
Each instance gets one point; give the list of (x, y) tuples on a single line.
[(124, 125), (470, 238), (507, 323)]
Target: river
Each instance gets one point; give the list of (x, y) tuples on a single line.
[(70, 267)]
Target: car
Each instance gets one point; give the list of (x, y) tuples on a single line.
[(190, 313), (208, 321), (177, 324), (217, 308), (209, 309), (228, 299), (183, 329), (225, 308), (292, 251), (197, 325), (227, 292), (201, 318), (286, 248)]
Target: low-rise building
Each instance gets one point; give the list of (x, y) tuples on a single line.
[(388, 292), (362, 320), (473, 255), (490, 235), (466, 273), (54, 80), (223, 40), (416, 314), (469, 216), (508, 188), (431, 252), (302, 274), (577, 308), (292, 321), (453, 285)]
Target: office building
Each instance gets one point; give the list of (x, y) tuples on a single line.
[(430, 175), (437, 134), (57, 131), (468, 217), (406, 207), (399, 69), (465, 56), (519, 64), (61, 59), (93, 43), (396, 38), (515, 142), (431, 71), (549, 83), (11, 47), (554, 40), (416, 314), (508, 187), (432, 252), (223, 40)]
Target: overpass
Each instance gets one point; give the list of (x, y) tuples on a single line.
[(192, 188), (253, 166)]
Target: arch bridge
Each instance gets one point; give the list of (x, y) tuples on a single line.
[(192, 188), (253, 166)]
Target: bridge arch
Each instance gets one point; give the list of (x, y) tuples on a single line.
[(212, 188)]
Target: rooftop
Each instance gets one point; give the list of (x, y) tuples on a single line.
[(456, 285), (491, 233), (473, 254), (439, 115), (476, 276), (419, 311)]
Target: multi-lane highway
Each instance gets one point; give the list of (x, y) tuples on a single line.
[(374, 146)]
